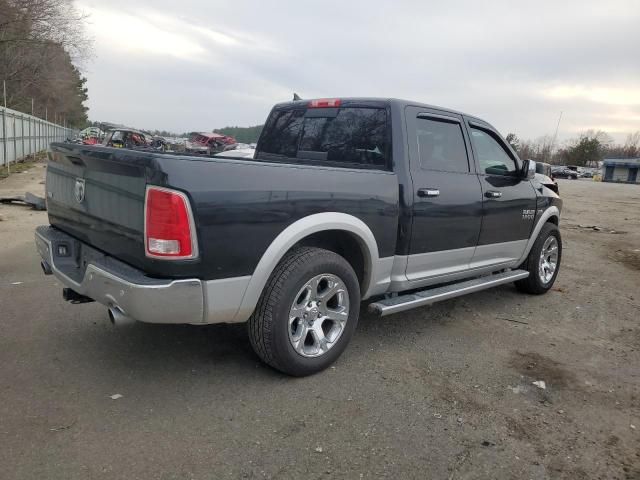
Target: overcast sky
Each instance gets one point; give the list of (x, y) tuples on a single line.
[(198, 65)]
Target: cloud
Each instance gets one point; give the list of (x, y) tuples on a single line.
[(134, 36), (199, 64), (604, 95)]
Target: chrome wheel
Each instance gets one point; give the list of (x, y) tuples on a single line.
[(318, 315), (548, 259)]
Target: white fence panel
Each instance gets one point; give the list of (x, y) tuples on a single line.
[(22, 135)]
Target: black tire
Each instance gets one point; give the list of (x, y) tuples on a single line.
[(269, 324), (533, 283)]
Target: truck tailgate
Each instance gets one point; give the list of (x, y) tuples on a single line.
[(97, 198)]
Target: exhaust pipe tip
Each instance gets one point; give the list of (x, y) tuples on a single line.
[(46, 268), (118, 318)]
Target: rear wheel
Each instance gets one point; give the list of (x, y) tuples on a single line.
[(307, 313), (543, 261)]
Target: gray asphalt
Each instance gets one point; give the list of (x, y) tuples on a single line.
[(440, 392)]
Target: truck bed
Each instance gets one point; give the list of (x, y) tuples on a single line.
[(239, 206)]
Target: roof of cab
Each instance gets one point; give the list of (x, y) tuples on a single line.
[(397, 101)]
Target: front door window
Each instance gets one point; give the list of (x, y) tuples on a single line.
[(493, 158)]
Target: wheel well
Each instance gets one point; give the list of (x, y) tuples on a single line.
[(345, 244), (553, 219)]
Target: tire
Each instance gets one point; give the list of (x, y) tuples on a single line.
[(278, 318), (535, 283)]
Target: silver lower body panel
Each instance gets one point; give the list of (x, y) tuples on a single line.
[(122, 287), (433, 295)]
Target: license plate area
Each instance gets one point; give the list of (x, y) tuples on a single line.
[(72, 257), (66, 254)]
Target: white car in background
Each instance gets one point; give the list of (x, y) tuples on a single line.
[(239, 153), (240, 150)]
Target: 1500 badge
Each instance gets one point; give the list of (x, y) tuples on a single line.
[(530, 214)]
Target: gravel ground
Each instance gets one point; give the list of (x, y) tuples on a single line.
[(439, 392)]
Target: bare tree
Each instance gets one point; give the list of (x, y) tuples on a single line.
[(40, 41), (43, 22), (590, 147), (632, 145)]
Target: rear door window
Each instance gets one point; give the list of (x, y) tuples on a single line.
[(441, 145), (349, 137)]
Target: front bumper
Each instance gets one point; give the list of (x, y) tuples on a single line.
[(117, 285)]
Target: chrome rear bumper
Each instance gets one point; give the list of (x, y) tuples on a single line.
[(118, 285)]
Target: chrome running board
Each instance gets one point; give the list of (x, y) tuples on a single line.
[(433, 295)]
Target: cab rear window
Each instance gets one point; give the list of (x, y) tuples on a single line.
[(349, 137)]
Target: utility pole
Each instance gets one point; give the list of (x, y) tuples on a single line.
[(555, 135), (4, 126)]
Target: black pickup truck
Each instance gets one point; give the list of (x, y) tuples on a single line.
[(346, 200)]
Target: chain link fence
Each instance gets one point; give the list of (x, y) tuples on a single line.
[(22, 135)]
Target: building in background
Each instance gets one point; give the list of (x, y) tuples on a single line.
[(624, 170)]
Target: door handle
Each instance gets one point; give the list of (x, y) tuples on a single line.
[(492, 194), (428, 192)]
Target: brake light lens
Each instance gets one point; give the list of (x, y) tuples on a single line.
[(169, 229), (325, 103)]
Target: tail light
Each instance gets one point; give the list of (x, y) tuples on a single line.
[(169, 231), (325, 103)]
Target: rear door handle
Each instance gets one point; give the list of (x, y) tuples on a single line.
[(492, 194), (428, 192)]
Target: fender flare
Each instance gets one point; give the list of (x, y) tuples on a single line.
[(552, 211), (295, 232)]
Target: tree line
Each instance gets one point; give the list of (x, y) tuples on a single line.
[(242, 134), (41, 44), (587, 149)]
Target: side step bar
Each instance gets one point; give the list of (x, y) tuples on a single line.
[(433, 295)]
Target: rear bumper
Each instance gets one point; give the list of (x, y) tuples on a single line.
[(118, 285)]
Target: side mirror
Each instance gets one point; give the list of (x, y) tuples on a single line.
[(528, 169)]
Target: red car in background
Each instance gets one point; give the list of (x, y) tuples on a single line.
[(208, 143)]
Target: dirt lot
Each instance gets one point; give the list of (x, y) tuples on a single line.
[(440, 392)]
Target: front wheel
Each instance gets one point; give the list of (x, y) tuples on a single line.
[(307, 313), (543, 261)]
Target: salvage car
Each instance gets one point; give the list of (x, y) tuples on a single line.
[(91, 136), (394, 202), (240, 150), (124, 137), (208, 143)]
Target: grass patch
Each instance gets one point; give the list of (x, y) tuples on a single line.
[(22, 165)]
